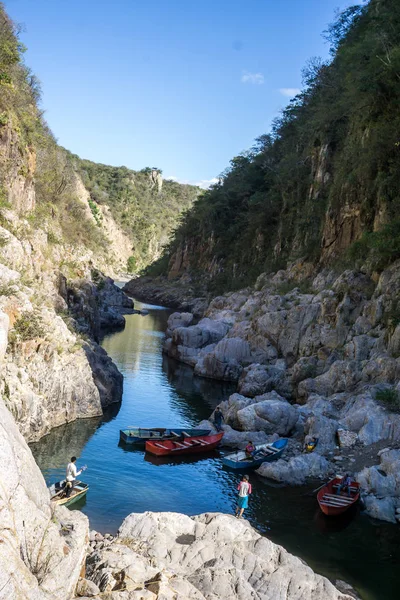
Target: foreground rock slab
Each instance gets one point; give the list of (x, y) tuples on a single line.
[(207, 557)]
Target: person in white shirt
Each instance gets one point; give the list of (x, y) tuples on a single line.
[(71, 476)]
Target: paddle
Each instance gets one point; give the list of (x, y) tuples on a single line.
[(314, 491)]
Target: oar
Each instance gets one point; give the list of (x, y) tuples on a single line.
[(314, 491)]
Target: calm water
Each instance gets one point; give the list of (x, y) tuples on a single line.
[(159, 392)]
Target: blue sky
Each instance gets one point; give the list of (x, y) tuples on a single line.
[(182, 85)]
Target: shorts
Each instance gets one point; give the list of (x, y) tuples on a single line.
[(243, 501)]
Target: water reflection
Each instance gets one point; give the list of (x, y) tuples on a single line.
[(54, 451)]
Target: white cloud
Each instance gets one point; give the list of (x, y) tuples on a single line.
[(255, 78), (289, 92), (206, 183), (203, 183)]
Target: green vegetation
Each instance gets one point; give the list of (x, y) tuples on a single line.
[(131, 265), (334, 151), (389, 397), (146, 214), (378, 248), (27, 327)]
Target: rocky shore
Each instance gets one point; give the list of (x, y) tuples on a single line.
[(311, 357), (179, 294), (48, 553)]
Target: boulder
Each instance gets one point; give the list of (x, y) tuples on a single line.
[(380, 508), (225, 361), (297, 470), (270, 413), (372, 481), (208, 556), (324, 429), (86, 588), (240, 439), (342, 376), (178, 319), (258, 379), (347, 439)]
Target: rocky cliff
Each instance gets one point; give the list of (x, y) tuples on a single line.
[(323, 183)]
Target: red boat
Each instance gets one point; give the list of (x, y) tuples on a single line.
[(331, 503), (188, 445)]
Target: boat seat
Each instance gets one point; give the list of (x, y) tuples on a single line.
[(161, 445), (181, 445), (174, 433), (186, 433), (340, 500)]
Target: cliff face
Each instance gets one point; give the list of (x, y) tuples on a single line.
[(43, 548), (323, 183)]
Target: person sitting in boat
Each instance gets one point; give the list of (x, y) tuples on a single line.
[(311, 444), (345, 484), (218, 419), (71, 476), (250, 450)]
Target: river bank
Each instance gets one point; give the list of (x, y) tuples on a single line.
[(157, 390), (312, 355)]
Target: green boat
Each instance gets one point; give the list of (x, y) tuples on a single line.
[(58, 493), (141, 435)]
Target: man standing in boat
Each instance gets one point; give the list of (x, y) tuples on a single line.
[(71, 476)]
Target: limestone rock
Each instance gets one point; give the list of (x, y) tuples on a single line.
[(240, 439), (42, 550), (380, 508), (324, 429), (178, 319), (297, 470), (87, 588), (347, 439), (225, 361), (258, 379), (270, 413), (211, 556)]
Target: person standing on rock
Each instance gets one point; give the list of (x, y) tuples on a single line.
[(218, 418), (244, 488), (71, 476)]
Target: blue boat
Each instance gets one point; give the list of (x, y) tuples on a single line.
[(139, 435), (263, 453)]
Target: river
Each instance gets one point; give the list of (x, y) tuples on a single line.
[(161, 392)]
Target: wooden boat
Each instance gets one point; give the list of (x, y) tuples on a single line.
[(58, 492), (263, 453), (332, 503), (190, 445), (138, 435)]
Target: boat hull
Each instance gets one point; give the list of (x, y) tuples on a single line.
[(333, 504), (141, 436), (235, 460), (58, 495), (192, 445)]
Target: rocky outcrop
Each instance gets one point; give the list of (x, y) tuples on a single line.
[(308, 363), (96, 303), (169, 555), (179, 294), (51, 375), (42, 548)]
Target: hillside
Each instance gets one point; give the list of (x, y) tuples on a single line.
[(324, 185), (144, 206)]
